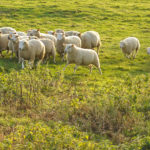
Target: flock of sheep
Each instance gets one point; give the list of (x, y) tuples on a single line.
[(79, 48)]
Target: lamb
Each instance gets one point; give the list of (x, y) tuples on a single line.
[(148, 50), (90, 40), (80, 56), (72, 33), (49, 49), (128, 46), (36, 32), (62, 39), (31, 50), (3, 42), (7, 30)]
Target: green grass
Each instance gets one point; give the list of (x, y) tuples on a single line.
[(47, 108)]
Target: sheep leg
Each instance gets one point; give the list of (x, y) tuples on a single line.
[(65, 66), (54, 60), (98, 47), (75, 68), (22, 63), (31, 63), (91, 67), (100, 71)]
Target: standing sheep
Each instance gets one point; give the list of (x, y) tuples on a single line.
[(128, 46), (72, 33), (7, 30), (49, 49), (80, 56), (31, 50), (36, 32), (3, 42), (62, 39), (90, 40)]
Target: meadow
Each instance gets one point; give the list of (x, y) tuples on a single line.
[(48, 108)]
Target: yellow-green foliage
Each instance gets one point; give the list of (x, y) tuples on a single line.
[(48, 108)]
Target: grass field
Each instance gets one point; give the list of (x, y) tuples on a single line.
[(47, 108)]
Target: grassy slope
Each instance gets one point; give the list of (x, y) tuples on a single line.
[(114, 20)]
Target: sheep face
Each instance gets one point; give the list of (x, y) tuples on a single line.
[(122, 44), (60, 36), (22, 45), (68, 48), (34, 32), (15, 38)]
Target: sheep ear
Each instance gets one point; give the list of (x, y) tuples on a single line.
[(72, 45), (38, 29)]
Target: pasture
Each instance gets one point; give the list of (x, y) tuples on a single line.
[(48, 108)]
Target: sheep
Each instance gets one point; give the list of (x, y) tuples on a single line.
[(59, 31), (36, 32), (21, 33), (31, 50), (3, 42), (14, 38), (7, 30), (72, 33), (49, 49), (62, 39), (148, 50), (51, 32), (80, 56), (90, 40), (128, 46)]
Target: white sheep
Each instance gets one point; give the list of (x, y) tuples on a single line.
[(3, 42), (72, 33), (90, 40), (31, 50), (148, 50), (129, 45), (20, 33), (36, 32), (7, 30), (80, 56), (14, 38), (62, 40), (49, 49)]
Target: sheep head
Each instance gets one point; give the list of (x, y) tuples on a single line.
[(60, 36), (23, 45), (69, 48)]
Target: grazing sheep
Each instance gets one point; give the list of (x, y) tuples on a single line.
[(7, 30), (72, 33), (148, 50), (128, 46), (49, 49), (90, 40), (62, 39), (31, 50), (36, 32), (3, 42), (80, 56)]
